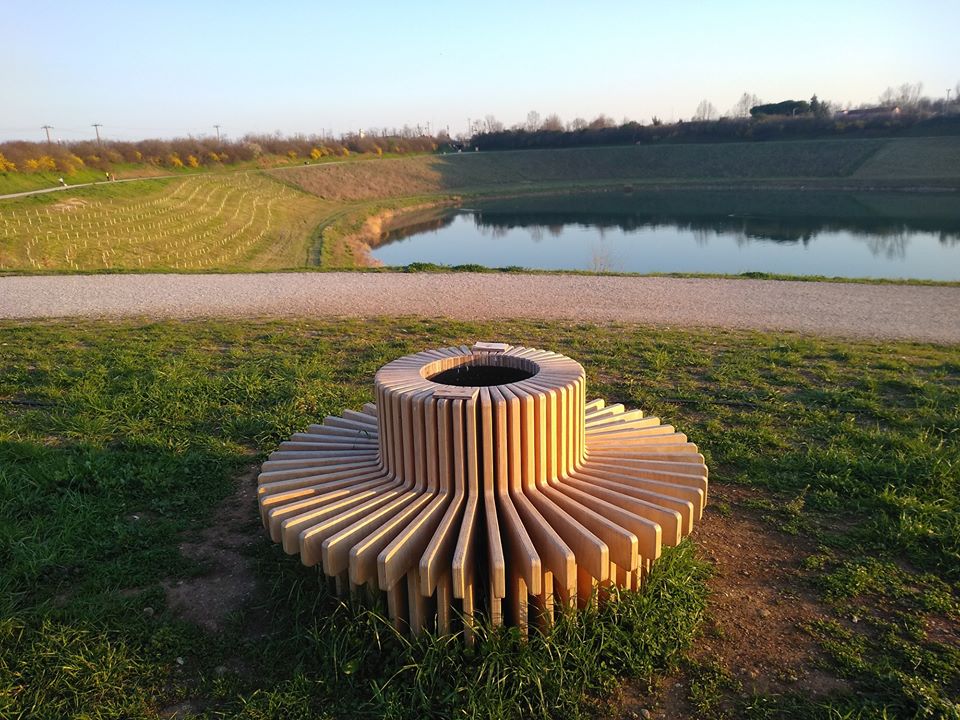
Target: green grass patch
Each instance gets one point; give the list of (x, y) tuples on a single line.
[(15, 182), (118, 441)]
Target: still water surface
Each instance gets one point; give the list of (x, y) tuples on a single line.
[(892, 235)]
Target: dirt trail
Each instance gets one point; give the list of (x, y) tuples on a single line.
[(894, 312)]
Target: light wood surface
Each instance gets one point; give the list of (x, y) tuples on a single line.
[(499, 500)]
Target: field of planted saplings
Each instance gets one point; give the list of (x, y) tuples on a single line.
[(202, 222)]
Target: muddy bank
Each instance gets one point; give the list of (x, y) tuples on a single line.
[(381, 227)]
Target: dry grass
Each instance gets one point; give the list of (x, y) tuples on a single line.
[(470, 172)]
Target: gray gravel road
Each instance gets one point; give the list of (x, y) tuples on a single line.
[(906, 312)]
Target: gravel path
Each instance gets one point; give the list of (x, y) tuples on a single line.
[(907, 312)]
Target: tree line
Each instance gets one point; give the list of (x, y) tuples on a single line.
[(800, 127), (196, 152), (903, 109)]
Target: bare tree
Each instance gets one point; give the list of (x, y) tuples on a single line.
[(910, 94), (492, 125), (577, 124), (906, 96), (601, 121), (533, 121), (742, 108), (705, 111), (552, 123)]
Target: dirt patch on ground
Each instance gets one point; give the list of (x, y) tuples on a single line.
[(230, 582), (758, 606), (759, 602)]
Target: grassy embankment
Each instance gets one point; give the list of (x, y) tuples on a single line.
[(17, 182), (237, 221), (122, 445), (326, 214)]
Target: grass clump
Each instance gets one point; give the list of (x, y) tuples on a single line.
[(358, 665), (60, 670)]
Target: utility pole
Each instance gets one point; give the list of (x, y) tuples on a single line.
[(218, 132), (949, 90), (48, 128), (97, 126)]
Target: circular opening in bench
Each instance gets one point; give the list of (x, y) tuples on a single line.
[(478, 375)]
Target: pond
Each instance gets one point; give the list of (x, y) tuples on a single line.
[(856, 235)]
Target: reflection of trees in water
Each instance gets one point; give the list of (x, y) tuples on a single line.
[(892, 246), (884, 236), (752, 228), (433, 223), (701, 236), (494, 231)]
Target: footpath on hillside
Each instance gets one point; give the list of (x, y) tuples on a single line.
[(890, 312)]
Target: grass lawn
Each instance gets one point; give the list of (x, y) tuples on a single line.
[(135, 580)]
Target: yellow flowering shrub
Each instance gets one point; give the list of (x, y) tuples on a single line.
[(69, 163), (44, 163)]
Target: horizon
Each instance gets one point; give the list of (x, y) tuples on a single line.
[(311, 70)]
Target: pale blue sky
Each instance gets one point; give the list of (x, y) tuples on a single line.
[(158, 69)]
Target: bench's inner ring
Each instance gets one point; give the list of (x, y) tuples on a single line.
[(479, 370)]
